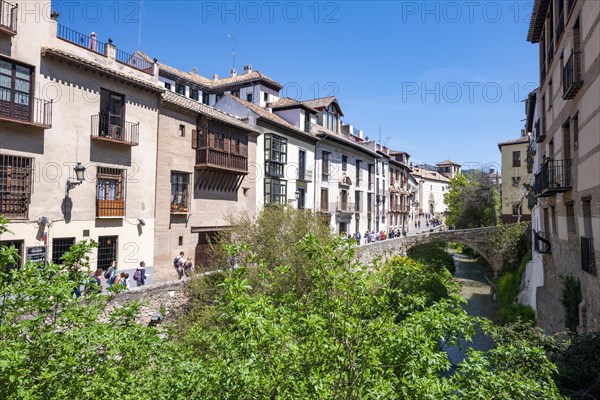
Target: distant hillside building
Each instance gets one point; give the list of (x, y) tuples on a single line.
[(515, 177)]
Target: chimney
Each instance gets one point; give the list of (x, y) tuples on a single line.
[(247, 69), (233, 72), (194, 70), (215, 77)]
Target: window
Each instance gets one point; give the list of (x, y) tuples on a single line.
[(235, 146), (218, 141), (550, 94), (516, 209), (302, 165), (516, 159), (515, 181), (344, 163), (301, 198), (576, 131), (205, 98), (112, 114), (266, 97), (369, 202), (324, 199), (110, 193), (554, 216), (182, 130), (16, 183), (570, 218), (180, 241), (357, 201), (275, 155), (275, 191), (16, 89), (180, 198), (218, 97), (325, 165), (194, 94), (179, 88), (235, 93), (167, 86), (60, 247), (107, 251), (358, 172), (249, 97), (19, 246)]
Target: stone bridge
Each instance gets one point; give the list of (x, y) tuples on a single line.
[(479, 239)]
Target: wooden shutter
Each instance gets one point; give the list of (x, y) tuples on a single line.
[(194, 139)]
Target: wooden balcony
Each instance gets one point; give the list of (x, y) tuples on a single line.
[(24, 110), (572, 80), (8, 18), (215, 159), (110, 208), (110, 128), (554, 177)]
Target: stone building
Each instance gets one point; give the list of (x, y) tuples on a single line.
[(432, 186), (204, 176), (78, 141), (566, 157), (515, 178), (400, 192)]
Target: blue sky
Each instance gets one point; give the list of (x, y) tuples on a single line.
[(438, 79)]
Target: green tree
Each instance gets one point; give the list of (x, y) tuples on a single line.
[(472, 201)]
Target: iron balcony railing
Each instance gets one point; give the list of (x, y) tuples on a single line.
[(541, 243), (554, 177), (550, 53), (8, 17), (87, 42), (134, 61), (540, 135), (560, 27), (343, 207), (588, 258), (218, 159), (113, 129), (24, 109), (572, 80)]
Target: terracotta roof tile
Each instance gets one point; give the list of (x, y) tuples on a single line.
[(201, 108), (263, 113), (523, 139), (323, 102), (219, 83), (448, 162), (150, 83)]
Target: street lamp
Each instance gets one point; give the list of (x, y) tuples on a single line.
[(79, 174)]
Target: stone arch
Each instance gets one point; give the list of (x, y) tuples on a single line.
[(489, 256)]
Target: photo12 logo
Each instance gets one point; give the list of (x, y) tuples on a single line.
[(452, 12), (270, 11)]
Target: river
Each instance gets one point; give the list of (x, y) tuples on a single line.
[(480, 302)]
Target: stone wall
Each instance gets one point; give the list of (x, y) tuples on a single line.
[(171, 296)]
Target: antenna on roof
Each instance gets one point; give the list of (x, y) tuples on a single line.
[(231, 36), (140, 24)]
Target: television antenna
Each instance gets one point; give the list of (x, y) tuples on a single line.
[(231, 37)]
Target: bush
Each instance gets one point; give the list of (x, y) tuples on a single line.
[(579, 367), (507, 290)]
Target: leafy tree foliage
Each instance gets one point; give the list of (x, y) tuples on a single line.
[(350, 333), (472, 201)]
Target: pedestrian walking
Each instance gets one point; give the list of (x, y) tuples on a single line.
[(139, 276), (188, 267), (178, 264), (111, 273)]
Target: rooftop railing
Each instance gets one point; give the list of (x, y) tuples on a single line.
[(8, 17), (81, 40)]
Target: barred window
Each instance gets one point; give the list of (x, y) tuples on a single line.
[(16, 183), (110, 194), (180, 199), (59, 247), (275, 155)]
